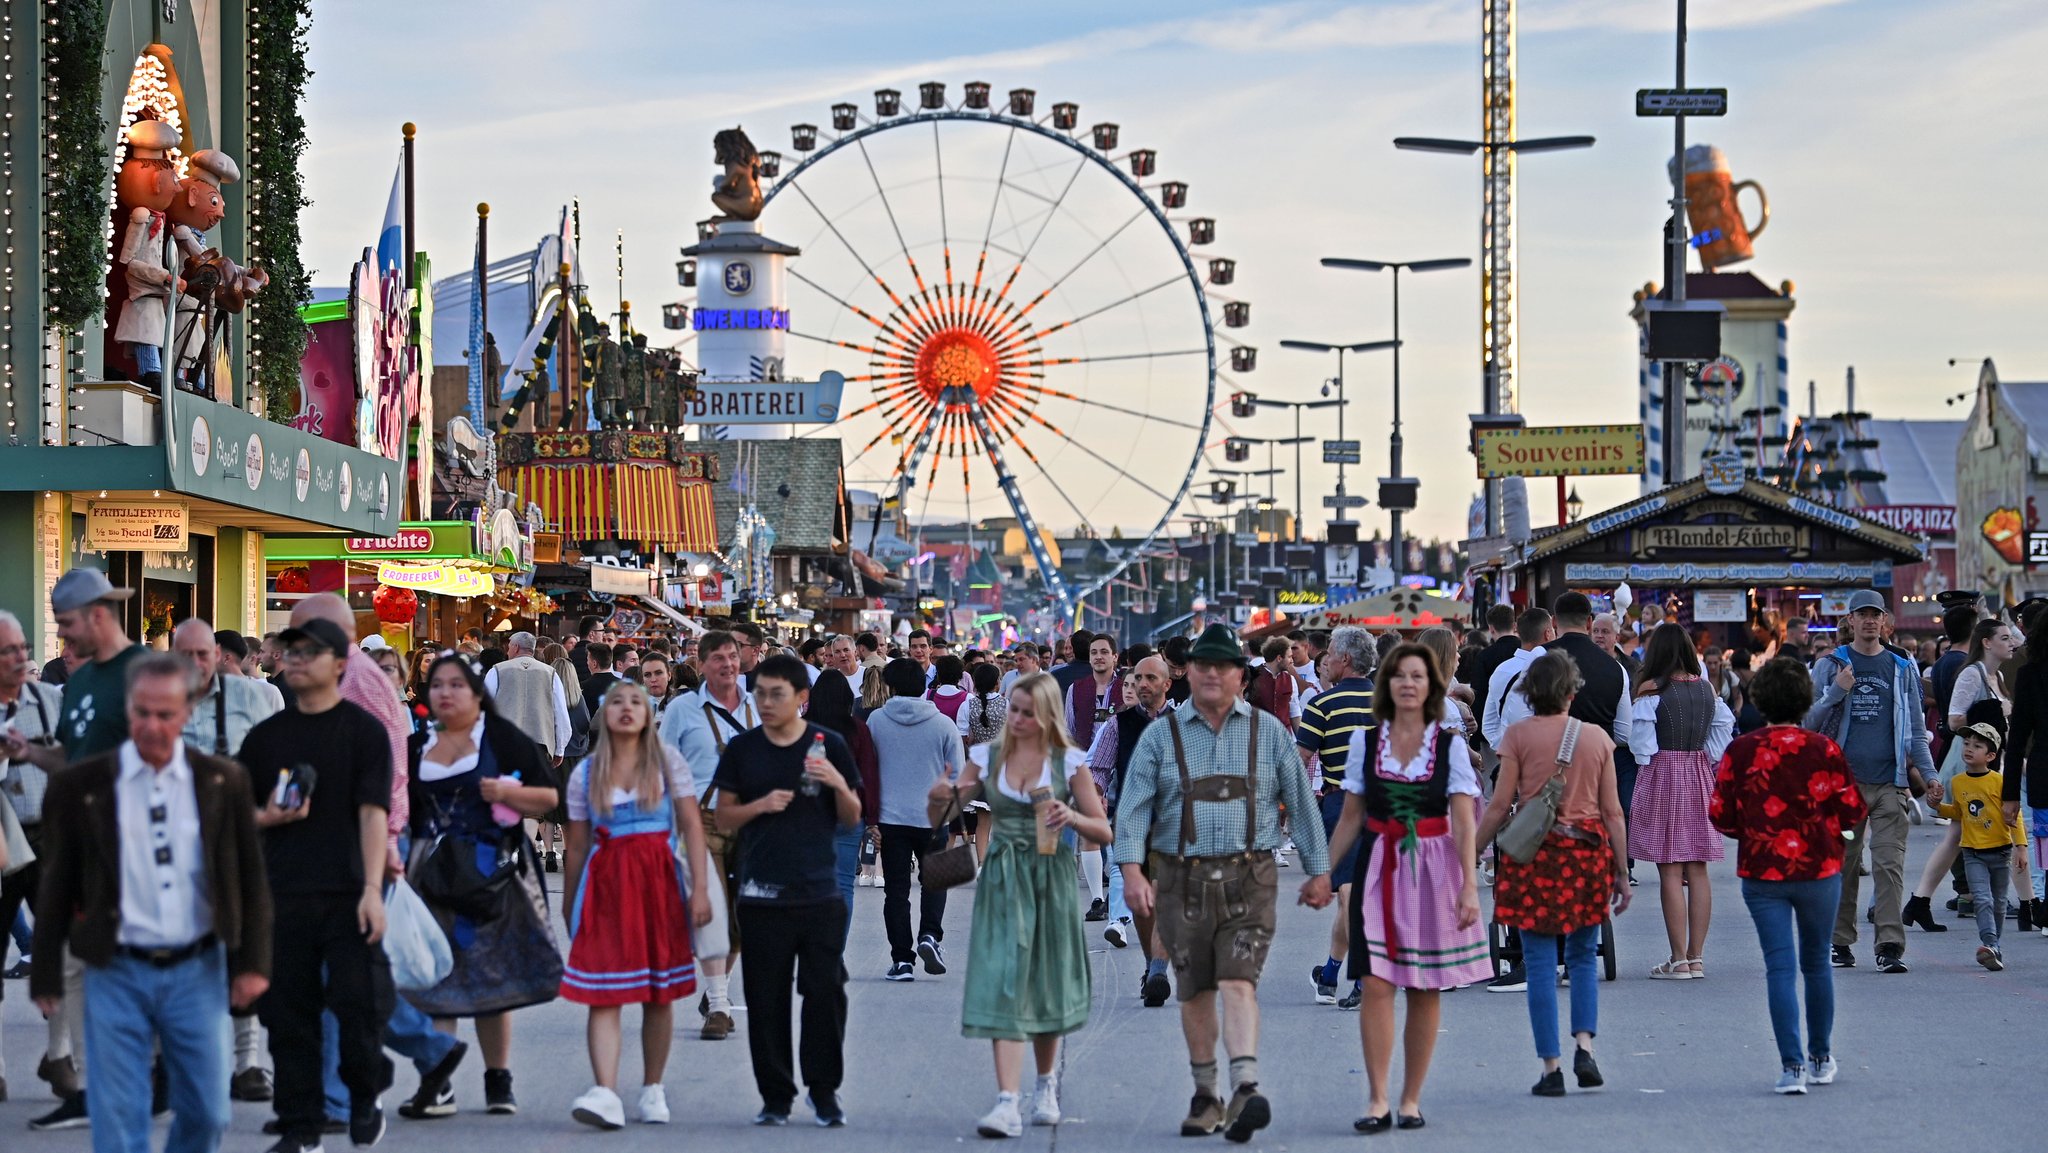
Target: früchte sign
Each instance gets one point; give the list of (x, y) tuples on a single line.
[(1788, 538), (406, 540)]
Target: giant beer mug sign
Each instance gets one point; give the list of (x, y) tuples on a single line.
[(1719, 232)]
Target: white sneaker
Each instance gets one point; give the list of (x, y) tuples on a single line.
[(1914, 813), (653, 1105), (1791, 1081), (1821, 1072), (600, 1107), (1118, 932), (1045, 1103), (1003, 1120)]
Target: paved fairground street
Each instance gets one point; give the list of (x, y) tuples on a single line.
[(1688, 1064)]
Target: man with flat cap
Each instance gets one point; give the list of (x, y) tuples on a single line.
[(1200, 813)]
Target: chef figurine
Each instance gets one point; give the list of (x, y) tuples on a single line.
[(195, 210), (146, 185)]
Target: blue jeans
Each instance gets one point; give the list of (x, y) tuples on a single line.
[(1778, 907), (848, 843), (1990, 874), (410, 1034), (131, 1007), (1581, 948), (23, 935)]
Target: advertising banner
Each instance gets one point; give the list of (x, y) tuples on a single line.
[(1562, 450), (149, 526)]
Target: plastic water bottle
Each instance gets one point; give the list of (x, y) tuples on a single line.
[(815, 759), (502, 814)]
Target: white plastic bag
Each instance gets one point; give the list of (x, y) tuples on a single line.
[(413, 940), (712, 940)]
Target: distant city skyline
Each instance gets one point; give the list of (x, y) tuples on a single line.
[(1893, 139)]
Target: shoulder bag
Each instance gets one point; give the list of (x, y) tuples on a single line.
[(450, 873), (1534, 818), (947, 868)]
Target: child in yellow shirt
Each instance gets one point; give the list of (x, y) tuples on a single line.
[(1974, 803)]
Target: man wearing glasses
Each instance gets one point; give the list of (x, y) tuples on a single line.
[(93, 720), (752, 643)]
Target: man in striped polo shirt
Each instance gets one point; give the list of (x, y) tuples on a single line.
[(1327, 722)]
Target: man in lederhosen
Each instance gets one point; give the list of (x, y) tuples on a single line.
[(700, 725), (1200, 813)]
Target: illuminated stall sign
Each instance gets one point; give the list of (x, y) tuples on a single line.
[(745, 318)]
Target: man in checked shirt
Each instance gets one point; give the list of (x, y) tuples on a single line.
[(1200, 813)]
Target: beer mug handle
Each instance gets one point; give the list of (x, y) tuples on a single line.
[(1763, 205)]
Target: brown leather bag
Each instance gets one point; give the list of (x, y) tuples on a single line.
[(947, 868)]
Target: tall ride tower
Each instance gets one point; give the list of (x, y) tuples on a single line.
[(1497, 212)]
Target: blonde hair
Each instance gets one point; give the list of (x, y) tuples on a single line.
[(572, 688), (644, 778), (1442, 644), (1052, 721)]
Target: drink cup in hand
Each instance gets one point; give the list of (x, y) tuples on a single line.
[(1048, 837)]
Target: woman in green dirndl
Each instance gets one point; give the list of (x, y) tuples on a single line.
[(1027, 963)]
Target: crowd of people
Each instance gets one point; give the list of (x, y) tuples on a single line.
[(237, 847)]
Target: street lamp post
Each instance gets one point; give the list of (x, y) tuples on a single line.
[(1297, 440), (1343, 512), (1497, 302), (1247, 496), (1405, 497), (1273, 442)]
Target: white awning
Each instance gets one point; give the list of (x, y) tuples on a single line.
[(692, 624)]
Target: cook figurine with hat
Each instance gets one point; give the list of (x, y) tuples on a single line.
[(209, 276), (145, 187)]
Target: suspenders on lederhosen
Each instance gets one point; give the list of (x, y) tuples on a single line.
[(1221, 786)]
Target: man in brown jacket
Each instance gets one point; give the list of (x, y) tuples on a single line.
[(153, 876)]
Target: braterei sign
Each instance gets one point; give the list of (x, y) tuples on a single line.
[(765, 401)]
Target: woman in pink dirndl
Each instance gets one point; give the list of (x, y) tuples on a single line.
[(1678, 729), (1412, 794)]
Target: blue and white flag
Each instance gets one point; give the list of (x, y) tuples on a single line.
[(391, 237), (477, 288)]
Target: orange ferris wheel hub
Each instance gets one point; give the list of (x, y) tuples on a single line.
[(957, 358)]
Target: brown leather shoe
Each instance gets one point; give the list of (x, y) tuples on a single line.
[(1249, 1112), (717, 1026), (1205, 1116), (62, 1076)]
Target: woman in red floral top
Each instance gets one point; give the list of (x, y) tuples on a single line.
[(1786, 795)]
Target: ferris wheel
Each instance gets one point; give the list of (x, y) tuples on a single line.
[(1016, 308)]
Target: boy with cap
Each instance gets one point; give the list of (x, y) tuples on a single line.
[(1867, 699), (324, 846), (1988, 840)]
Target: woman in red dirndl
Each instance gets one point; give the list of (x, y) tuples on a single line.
[(629, 921)]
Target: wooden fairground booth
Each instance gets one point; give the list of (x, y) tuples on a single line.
[(1735, 560)]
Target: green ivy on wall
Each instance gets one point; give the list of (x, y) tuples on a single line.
[(277, 140), (81, 173)]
